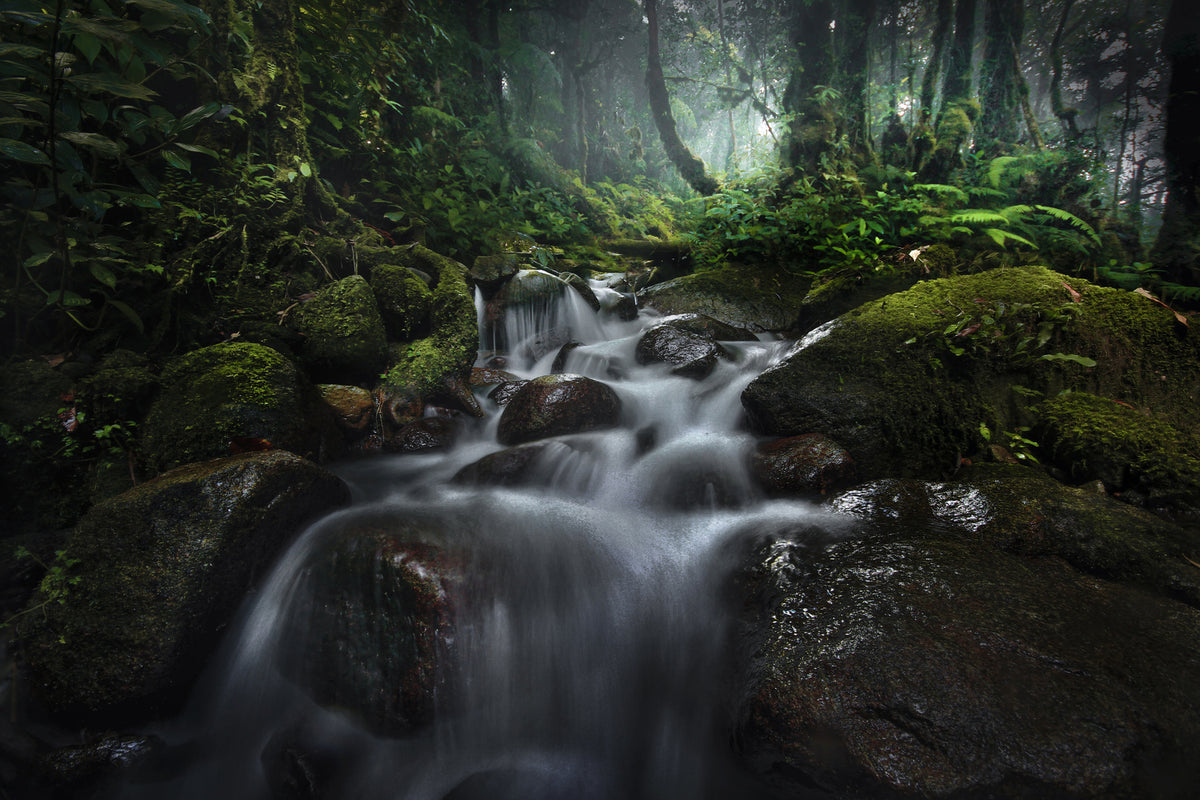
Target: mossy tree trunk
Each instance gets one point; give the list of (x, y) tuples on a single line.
[(1177, 251), (937, 59), (853, 67), (960, 111), (1003, 93), (811, 110), (690, 167)]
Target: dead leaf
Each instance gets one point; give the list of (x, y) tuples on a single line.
[(56, 359), (249, 444), (1179, 317), (967, 331), (1075, 296)]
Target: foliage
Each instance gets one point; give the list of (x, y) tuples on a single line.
[(56, 583), (85, 138)]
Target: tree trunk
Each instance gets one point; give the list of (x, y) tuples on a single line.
[(960, 111), (1000, 79), (1177, 251), (933, 72), (690, 167), (1066, 116), (853, 64), (958, 70), (813, 111)]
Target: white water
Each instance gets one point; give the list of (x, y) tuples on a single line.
[(588, 663)]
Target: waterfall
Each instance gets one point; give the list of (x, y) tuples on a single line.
[(573, 638)]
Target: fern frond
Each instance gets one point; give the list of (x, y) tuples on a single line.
[(987, 192), (1002, 238), (942, 190), (1073, 221), (979, 216), (997, 166)]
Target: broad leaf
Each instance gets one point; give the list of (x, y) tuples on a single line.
[(25, 153), (100, 145), (113, 84)]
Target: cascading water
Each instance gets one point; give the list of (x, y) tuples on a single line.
[(567, 638)]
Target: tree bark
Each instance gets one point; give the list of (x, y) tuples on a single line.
[(933, 72), (853, 67), (813, 116), (1066, 116), (690, 167), (1177, 250), (1001, 80)]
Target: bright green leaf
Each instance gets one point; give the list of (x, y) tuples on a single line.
[(178, 160)]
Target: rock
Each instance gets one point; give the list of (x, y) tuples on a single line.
[(376, 635), (231, 391), (708, 327), (404, 302), (514, 466), (161, 570), (527, 296), (490, 376), (582, 288), (491, 270), (427, 433), (434, 369), (690, 355), (802, 465), (559, 365), (911, 656), (505, 391), (755, 299), (1137, 456), (908, 384), (353, 407), (101, 761), (344, 335), (553, 405)]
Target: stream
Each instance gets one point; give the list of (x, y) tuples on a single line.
[(585, 652)]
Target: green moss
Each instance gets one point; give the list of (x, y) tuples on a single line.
[(404, 301), (1094, 437), (228, 391), (344, 334)]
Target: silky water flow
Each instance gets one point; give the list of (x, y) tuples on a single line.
[(584, 653)]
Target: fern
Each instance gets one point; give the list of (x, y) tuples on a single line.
[(1072, 220), (997, 166), (1002, 238), (979, 216), (942, 190)]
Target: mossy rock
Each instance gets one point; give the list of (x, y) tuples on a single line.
[(433, 367), (219, 395), (1143, 458), (755, 298), (404, 302), (161, 570), (842, 290), (906, 382), (344, 334)]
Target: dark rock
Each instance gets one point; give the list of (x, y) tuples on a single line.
[(1001, 635), (491, 270), (690, 355), (553, 405), (755, 299), (377, 633), (490, 376), (232, 391), (514, 466), (710, 328), (161, 570), (802, 465), (625, 307), (427, 433), (505, 391), (560, 360), (582, 288), (85, 768), (344, 335)]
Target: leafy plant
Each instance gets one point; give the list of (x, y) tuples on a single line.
[(56, 583)]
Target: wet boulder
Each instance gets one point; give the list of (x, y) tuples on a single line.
[(810, 464), (753, 298), (344, 338), (427, 433), (97, 764), (505, 391), (513, 466), (161, 569), (704, 325), (376, 632), (582, 288), (404, 302), (229, 392), (553, 405), (690, 355), (934, 669), (492, 270), (911, 654)]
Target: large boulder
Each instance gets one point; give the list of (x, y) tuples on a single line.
[(916, 382), (940, 646), (231, 392), (690, 355), (754, 298), (344, 339), (376, 630), (553, 405), (404, 301), (161, 569)]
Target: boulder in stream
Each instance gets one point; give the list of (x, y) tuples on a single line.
[(344, 338), (690, 355), (753, 298), (553, 405), (998, 636), (160, 570)]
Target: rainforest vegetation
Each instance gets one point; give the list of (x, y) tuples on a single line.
[(176, 175)]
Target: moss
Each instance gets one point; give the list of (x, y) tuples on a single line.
[(225, 392), (344, 334), (404, 301), (754, 298), (1094, 437), (447, 354)]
